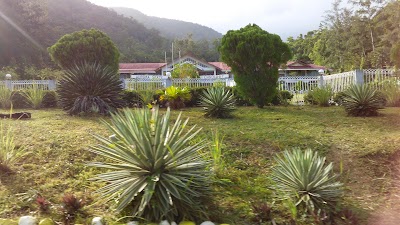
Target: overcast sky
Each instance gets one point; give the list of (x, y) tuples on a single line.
[(282, 17)]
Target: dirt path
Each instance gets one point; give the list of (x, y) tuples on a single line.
[(389, 214)]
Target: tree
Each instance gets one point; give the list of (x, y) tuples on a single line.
[(90, 46), (185, 70), (395, 55), (254, 56)]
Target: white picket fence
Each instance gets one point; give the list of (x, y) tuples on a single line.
[(146, 83), (197, 82), (338, 82), (16, 85), (300, 84)]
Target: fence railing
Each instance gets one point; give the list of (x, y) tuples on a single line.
[(300, 84), (16, 85), (140, 84), (375, 77)]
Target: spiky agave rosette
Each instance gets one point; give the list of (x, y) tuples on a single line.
[(153, 165)]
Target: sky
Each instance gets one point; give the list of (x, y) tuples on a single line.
[(282, 17)]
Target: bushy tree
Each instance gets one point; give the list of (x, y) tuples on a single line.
[(90, 46), (254, 56)]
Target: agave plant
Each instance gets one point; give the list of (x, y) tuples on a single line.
[(9, 153), (218, 102), (88, 88), (34, 95), (362, 100), (5, 97), (154, 167), (176, 96), (303, 176)]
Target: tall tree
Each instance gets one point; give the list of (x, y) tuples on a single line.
[(254, 56)]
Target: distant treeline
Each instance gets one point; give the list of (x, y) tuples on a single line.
[(360, 34)]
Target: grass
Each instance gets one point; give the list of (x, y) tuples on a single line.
[(363, 146)]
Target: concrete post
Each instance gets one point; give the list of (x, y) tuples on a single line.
[(167, 82), (321, 82), (8, 84), (52, 85), (359, 78), (123, 83)]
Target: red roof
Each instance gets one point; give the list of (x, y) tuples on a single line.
[(299, 65), (140, 66), (153, 67), (220, 65)]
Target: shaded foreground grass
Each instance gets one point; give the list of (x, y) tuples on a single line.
[(363, 146)]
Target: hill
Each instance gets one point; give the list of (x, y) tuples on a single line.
[(170, 28), (28, 28)]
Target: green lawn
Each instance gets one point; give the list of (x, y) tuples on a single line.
[(365, 147)]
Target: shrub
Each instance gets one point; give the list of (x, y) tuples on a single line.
[(9, 153), (175, 96), (217, 102), (34, 95), (240, 99), (5, 97), (130, 98), (195, 94), (319, 96), (362, 100), (338, 97), (153, 166), (391, 92), (303, 176), (282, 98), (146, 97), (89, 88)]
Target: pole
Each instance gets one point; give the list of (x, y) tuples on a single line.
[(172, 54)]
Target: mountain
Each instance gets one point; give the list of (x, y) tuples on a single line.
[(170, 28), (29, 27)]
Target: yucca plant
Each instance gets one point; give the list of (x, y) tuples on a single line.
[(5, 97), (176, 96), (304, 177), (9, 153), (89, 88), (34, 95), (154, 166), (218, 102), (362, 100)]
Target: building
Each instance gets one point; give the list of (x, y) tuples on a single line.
[(128, 70), (301, 68)]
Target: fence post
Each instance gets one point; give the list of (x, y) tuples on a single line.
[(167, 82), (321, 83), (123, 85), (359, 78), (52, 85)]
